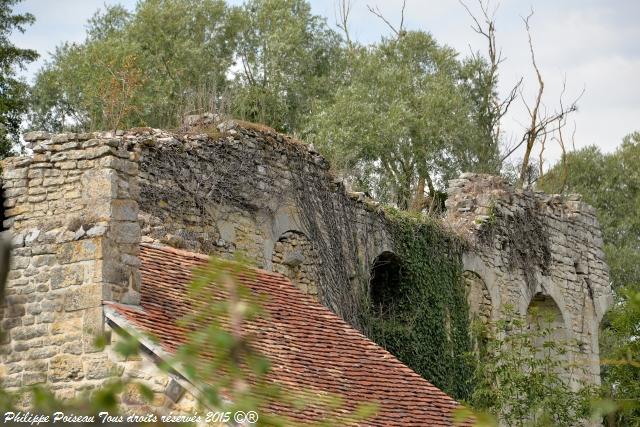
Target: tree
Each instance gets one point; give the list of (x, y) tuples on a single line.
[(621, 359), (13, 91), (398, 124), (287, 57), (541, 124), (138, 68), (485, 76)]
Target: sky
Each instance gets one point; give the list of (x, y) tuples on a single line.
[(593, 45)]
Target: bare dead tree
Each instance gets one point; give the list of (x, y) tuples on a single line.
[(496, 108), (541, 124), (563, 159), (343, 12), (543, 142), (399, 32)]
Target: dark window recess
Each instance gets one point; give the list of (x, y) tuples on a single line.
[(384, 282)]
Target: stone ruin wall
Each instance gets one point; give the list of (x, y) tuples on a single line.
[(80, 205), (72, 214), (230, 188), (72, 211), (533, 249)]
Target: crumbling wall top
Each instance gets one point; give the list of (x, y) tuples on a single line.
[(473, 198)]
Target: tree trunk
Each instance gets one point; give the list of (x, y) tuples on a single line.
[(419, 203), (525, 162), (418, 199)]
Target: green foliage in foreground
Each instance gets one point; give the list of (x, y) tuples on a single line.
[(217, 358), (621, 360), (424, 319), (523, 374)]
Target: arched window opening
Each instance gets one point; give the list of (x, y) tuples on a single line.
[(384, 281), (546, 324), (478, 297), (295, 256)]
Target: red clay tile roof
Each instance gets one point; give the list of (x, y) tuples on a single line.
[(309, 347)]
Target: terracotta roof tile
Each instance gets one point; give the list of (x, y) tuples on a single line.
[(309, 347)]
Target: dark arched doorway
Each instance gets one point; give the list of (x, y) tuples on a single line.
[(384, 281)]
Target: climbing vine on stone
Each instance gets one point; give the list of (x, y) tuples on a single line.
[(427, 326)]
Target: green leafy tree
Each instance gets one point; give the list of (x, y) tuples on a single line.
[(401, 125), (138, 68), (13, 91), (481, 153), (88, 87), (287, 58)]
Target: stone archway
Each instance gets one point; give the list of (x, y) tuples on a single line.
[(546, 322), (295, 256), (384, 281), (478, 297)]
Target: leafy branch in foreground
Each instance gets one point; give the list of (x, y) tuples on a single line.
[(524, 374)]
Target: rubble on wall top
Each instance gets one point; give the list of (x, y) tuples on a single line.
[(197, 130), (473, 198)]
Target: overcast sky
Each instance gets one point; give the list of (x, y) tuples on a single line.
[(594, 43)]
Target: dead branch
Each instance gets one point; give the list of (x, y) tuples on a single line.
[(543, 141), (399, 32), (541, 123), (484, 25), (533, 132), (343, 13)]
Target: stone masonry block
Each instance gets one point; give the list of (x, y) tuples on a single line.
[(65, 367), (83, 250), (83, 297)]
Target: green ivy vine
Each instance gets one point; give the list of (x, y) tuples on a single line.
[(427, 325)]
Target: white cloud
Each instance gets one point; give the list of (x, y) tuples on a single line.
[(592, 43)]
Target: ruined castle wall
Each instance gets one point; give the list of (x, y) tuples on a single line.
[(532, 249), (71, 210), (79, 206), (253, 190)]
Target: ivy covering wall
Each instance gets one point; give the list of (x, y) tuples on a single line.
[(424, 321)]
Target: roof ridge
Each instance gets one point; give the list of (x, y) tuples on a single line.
[(204, 257)]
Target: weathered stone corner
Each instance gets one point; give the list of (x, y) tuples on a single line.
[(71, 208)]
